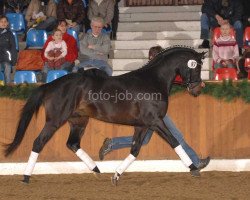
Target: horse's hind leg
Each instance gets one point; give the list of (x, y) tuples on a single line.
[(48, 131), (138, 138), (163, 131), (77, 128)]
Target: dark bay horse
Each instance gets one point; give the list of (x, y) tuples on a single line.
[(138, 98)]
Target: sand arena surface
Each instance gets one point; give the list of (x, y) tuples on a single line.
[(132, 186)]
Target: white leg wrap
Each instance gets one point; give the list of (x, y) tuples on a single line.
[(86, 159), (183, 156), (125, 164), (31, 163)]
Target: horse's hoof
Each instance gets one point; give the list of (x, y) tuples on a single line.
[(96, 170), (26, 179), (114, 180)]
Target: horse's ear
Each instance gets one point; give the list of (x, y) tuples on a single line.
[(202, 55)]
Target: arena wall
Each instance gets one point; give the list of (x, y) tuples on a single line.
[(212, 127)]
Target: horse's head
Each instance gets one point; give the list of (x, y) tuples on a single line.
[(190, 71)]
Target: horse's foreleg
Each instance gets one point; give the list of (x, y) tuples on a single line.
[(138, 138), (164, 132), (77, 128), (45, 135)]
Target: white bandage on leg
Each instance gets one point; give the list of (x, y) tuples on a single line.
[(86, 159), (31, 163), (183, 156), (125, 164)]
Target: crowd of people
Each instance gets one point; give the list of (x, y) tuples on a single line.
[(58, 16)]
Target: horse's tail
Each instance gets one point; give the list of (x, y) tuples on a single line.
[(32, 105)]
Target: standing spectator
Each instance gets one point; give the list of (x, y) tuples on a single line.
[(103, 9), (16, 6), (125, 142), (72, 51), (1, 7), (56, 51), (8, 52), (41, 14), (95, 47), (73, 12), (218, 12), (246, 12), (115, 20), (225, 49)]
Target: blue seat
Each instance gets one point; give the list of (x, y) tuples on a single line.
[(73, 33), (54, 74), (36, 39), (16, 40), (2, 80), (85, 3), (25, 77), (16, 22)]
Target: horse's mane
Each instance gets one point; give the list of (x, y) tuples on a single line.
[(161, 55)]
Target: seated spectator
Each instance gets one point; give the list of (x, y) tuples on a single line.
[(95, 47), (243, 70), (16, 6), (73, 12), (41, 14), (72, 51), (103, 9), (225, 49), (246, 12), (8, 52), (218, 12), (56, 51)]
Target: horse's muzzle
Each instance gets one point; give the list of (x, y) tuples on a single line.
[(195, 88)]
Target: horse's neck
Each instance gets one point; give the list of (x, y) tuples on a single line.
[(165, 76)]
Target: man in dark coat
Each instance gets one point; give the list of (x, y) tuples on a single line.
[(73, 12), (218, 12)]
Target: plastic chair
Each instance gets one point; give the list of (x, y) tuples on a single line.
[(225, 73), (36, 38), (16, 40), (55, 74), (73, 33), (25, 77), (247, 38), (217, 33), (16, 22), (2, 80)]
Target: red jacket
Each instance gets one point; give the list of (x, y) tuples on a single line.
[(72, 51)]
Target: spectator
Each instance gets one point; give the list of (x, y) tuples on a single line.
[(55, 52), (16, 6), (72, 51), (218, 12), (73, 12), (115, 20), (1, 7), (246, 12), (244, 70), (95, 47), (41, 14), (103, 9), (225, 49), (124, 142), (8, 52)]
